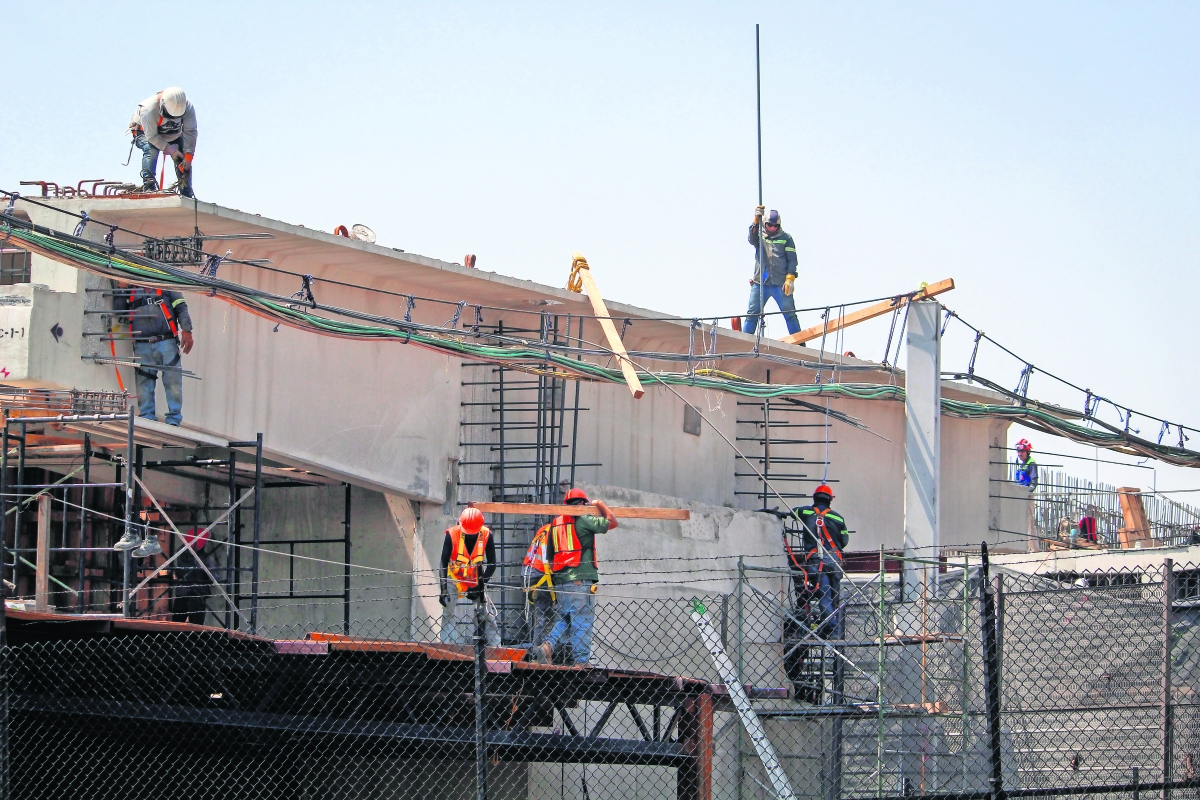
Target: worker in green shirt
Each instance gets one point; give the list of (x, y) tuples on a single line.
[(571, 552)]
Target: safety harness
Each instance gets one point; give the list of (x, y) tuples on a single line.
[(160, 301), (535, 565), (463, 568), (823, 536)]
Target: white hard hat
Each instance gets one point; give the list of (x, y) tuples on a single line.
[(174, 101)]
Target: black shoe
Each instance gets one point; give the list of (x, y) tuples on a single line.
[(149, 186)]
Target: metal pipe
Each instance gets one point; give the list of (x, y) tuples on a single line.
[(1166, 734), (991, 676), (258, 467), (231, 533), (81, 598), (346, 574), (481, 757), (129, 485)]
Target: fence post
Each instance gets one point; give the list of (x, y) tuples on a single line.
[(481, 781), (1166, 734), (991, 674)]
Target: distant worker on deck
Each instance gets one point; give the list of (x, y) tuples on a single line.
[(778, 279), (166, 122), (468, 561), (824, 542), (162, 328), (571, 552), (1027, 469)]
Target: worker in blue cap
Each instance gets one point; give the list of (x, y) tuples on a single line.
[(778, 279)]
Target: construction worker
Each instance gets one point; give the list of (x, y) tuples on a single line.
[(165, 122), (468, 561), (1026, 467), (1087, 526), (778, 280), (571, 553), (161, 327), (538, 581), (824, 538)]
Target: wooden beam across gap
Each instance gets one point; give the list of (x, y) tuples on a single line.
[(870, 312), (581, 271), (550, 510)]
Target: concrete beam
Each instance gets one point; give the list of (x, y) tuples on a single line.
[(922, 438)]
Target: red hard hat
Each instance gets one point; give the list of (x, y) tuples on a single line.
[(576, 495), (1024, 445), (470, 520), (196, 537), (823, 489)]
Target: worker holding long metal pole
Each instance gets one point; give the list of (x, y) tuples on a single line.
[(775, 251)]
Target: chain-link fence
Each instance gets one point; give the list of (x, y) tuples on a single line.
[(757, 692)]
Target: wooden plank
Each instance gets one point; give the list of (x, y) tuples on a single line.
[(550, 510), (870, 312), (1137, 526), (579, 267), (41, 592)]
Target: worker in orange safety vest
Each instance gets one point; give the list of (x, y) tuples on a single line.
[(468, 561)]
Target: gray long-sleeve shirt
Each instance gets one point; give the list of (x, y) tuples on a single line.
[(148, 318), (780, 252), (160, 129)]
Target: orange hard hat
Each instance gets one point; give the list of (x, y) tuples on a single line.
[(823, 489), (575, 497), (470, 520)]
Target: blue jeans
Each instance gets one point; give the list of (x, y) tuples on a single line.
[(830, 582), (150, 164), (576, 607), (165, 354), (786, 304)]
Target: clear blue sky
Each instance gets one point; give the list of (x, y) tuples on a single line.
[(1043, 155)]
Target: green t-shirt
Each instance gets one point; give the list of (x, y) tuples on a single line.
[(586, 528)]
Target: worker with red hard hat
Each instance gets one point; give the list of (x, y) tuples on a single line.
[(468, 561), (1026, 472), (190, 585), (571, 554), (815, 551)]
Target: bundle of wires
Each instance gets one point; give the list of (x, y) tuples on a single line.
[(541, 357)]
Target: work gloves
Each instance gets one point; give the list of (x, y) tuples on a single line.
[(443, 593), (789, 285), (758, 214), (476, 591)]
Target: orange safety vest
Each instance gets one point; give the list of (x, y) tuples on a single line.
[(535, 556), (463, 568), (568, 552)]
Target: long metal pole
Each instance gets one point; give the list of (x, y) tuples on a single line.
[(1167, 734), (258, 467), (481, 757), (16, 566), (346, 574), (231, 533), (991, 674), (4, 771), (759, 324), (81, 600), (127, 555)]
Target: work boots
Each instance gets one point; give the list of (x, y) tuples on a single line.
[(149, 185), (129, 541), (149, 546)]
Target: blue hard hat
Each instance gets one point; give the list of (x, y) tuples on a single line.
[(773, 217)]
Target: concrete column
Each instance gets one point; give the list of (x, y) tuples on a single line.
[(922, 440)]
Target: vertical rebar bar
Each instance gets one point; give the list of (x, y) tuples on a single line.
[(966, 665), (232, 561)]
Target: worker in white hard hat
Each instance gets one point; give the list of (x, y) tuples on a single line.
[(166, 122)]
